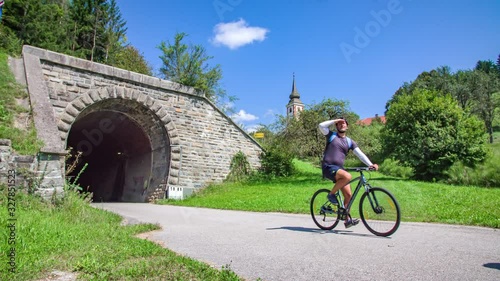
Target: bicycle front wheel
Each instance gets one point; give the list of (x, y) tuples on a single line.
[(379, 211), (324, 214)]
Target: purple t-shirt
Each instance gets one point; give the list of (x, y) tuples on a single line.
[(337, 150)]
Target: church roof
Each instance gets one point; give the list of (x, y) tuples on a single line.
[(369, 120), (295, 94)]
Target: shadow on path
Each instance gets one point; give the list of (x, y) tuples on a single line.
[(494, 265), (315, 230)]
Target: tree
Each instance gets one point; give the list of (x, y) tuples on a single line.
[(461, 88), (440, 79), (115, 31), (474, 91), (486, 66), (188, 65), (485, 87), (39, 23), (129, 58), (88, 29), (369, 140), (429, 132)]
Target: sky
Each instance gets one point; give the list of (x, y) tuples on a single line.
[(359, 51)]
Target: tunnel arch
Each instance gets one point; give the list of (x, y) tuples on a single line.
[(126, 138)]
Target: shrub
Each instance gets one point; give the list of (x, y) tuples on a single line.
[(276, 163), (430, 132), (239, 167), (394, 168), (484, 175), (9, 42)]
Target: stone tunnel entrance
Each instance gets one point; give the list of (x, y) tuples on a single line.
[(117, 141)]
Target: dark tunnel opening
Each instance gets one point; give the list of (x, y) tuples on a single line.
[(116, 150)]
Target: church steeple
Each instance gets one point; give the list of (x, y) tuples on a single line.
[(295, 105), (294, 94)]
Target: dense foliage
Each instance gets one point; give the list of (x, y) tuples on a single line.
[(88, 29), (95, 30), (429, 132), (477, 91)]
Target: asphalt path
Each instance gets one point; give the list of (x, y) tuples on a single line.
[(276, 246)]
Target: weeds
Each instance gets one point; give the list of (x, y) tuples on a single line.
[(24, 141)]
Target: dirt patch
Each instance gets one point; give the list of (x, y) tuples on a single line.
[(60, 276), (149, 236)]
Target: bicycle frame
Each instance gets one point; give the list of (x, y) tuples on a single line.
[(361, 183)]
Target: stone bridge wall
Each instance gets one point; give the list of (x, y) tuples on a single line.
[(201, 139)]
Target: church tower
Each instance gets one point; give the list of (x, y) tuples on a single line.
[(295, 105)]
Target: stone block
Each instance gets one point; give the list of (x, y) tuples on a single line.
[(75, 107), (103, 93), (85, 85), (95, 96), (85, 98)]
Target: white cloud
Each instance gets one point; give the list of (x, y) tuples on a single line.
[(237, 34), (252, 128), (242, 116), (270, 112)]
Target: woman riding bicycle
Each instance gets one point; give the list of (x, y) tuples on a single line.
[(337, 148)]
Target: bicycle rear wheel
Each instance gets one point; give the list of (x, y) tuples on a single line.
[(324, 214), (379, 211)]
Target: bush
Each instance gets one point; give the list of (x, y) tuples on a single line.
[(276, 163), (394, 168), (239, 167), (9, 42), (483, 175), (430, 132)]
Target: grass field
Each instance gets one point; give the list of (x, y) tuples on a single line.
[(419, 201)]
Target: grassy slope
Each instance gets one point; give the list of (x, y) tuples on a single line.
[(24, 142)]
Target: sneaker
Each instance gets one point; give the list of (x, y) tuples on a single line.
[(332, 198), (351, 222)]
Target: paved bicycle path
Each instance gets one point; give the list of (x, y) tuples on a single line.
[(275, 246)]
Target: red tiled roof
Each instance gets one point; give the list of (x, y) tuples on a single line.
[(368, 121)]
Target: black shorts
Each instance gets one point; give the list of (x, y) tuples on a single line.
[(329, 171)]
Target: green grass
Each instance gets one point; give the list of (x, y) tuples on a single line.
[(23, 141), (419, 201), (75, 237)]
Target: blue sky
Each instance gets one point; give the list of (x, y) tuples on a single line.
[(360, 51)]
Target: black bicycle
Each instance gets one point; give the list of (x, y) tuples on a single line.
[(378, 208)]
